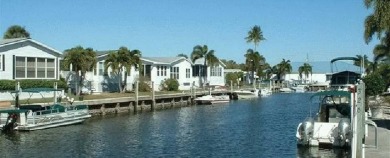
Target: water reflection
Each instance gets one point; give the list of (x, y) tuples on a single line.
[(313, 152), (263, 127)]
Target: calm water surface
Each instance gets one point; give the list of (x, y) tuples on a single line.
[(247, 128)]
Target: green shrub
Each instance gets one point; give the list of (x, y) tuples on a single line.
[(143, 86), (374, 84), (170, 85), (7, 85), (24, 84)]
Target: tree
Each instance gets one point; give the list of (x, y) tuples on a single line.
[(230, 64), (252, 61), (82, 60), (282, 69), (379, 21), (384, 70), (233, 77), (368, 65), (120, 63), (182, 55), (209, 58), (375, 84), (16, 31), (306, 69), (255, 35)]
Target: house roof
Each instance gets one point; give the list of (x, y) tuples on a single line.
[(325, 67), (12, 40), (6, 42), (163, 60), (200, 61), (104, 52)]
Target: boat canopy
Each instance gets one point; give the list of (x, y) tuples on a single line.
[(332, 93), (344, 58), (14, 111)]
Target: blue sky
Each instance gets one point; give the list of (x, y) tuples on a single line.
[(294, 29)]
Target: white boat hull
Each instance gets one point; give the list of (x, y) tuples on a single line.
[(209, 99), (247, 94)]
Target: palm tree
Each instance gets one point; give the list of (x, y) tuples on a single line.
[(252, 62), (368, 65), (82, 60), (230, 64), (209, 59), (255, 35), (182, 55), (16, 31), (120, 63), (282, 69), (379, 21), (306, 69)]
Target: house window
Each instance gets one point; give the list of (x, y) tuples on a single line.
[(195, 70), (1, 62), (20, 67), (147, 71), (50, 68), (175, 72), (215, 71), (188, 73), (41, 67), (31, 67), (158, 70), (101, 69), (165, 70)]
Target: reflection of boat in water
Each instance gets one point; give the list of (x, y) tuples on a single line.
[(286, 90), (247, 93), (265, 92), (332, 124), (36, 117), (210, 99), (321, 152)]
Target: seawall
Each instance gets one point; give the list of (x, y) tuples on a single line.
[(144, 103)]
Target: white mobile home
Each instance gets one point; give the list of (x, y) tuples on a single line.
[(157, 69), (215, 74), (100, 80), (24, 58)]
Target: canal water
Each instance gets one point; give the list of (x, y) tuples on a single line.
[(263, 127)]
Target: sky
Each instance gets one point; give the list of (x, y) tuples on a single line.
[(294, 29)]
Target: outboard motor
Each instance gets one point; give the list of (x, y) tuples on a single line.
[(344, 129), (305, 131), (10, 123)]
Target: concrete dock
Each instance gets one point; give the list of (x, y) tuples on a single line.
[(383, 149)]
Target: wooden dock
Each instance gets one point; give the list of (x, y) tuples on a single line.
[(142, 103)]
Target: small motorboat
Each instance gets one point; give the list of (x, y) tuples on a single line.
[(247, 93), (36, 117), (331, 127), (210, 99)]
